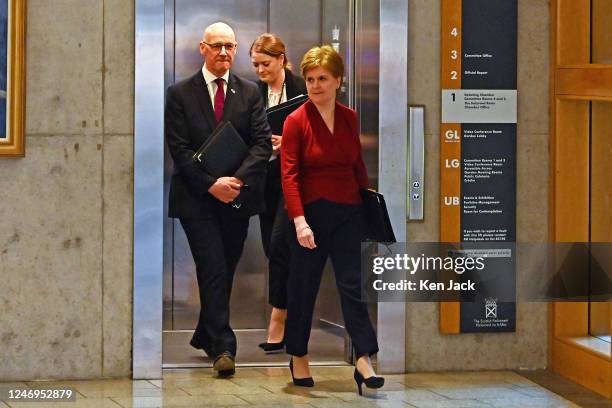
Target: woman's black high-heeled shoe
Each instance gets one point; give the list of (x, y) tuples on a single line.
[(300, 382), (268, 347), (370, 382)]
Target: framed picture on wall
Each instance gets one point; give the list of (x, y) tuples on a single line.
[(12, 77)]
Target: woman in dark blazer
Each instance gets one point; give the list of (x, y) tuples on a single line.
[(322, 172), (277, 84)]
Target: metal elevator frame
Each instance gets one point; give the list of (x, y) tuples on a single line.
[(149, 178)]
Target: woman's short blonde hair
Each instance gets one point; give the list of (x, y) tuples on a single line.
[(325, 57)]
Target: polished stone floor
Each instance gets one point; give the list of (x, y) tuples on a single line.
[(271, 387)]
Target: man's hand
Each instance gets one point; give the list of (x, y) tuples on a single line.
[(276, 144), (226, 189)]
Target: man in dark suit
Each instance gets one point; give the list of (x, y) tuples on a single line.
[(215, 225)]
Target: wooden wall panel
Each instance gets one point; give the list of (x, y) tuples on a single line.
[(583, 367), (593, 81), (573, 32), (571, 319), (571, 167), (450, 148), (601, 172), (600, 319), (601, 205), (601, 33)]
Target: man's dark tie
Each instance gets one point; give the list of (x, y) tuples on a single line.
[(219, 99)]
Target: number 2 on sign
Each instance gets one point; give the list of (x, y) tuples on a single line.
[(453, 75)]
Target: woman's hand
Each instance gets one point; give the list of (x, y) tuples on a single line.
[(305, 236), (276, 144)]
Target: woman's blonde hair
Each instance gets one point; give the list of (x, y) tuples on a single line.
[(325, 57), (270, 44)]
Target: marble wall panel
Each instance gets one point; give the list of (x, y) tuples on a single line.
[(65, 301), (532, 187), (118, 67), (533, 67), (64, 67), (50, 245), (117, 254)]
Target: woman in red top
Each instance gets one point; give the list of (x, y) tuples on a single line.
[(322, 172)]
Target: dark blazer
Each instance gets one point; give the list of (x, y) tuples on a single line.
[(190, 120), (295, 86)]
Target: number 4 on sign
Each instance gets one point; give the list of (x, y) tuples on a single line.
[(454, 32)]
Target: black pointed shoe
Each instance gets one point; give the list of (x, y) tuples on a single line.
[(300, 382), (225, 364), (370, 382), (270, 347)]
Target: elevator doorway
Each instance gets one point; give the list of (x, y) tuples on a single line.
[(301, 25)]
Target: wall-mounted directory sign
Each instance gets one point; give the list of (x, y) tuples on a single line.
[(478, 150)]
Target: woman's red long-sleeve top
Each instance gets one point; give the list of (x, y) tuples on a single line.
[(317, 164)]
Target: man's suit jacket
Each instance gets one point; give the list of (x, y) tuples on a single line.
[(190, 120)]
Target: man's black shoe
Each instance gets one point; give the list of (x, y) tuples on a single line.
[(225, 365)]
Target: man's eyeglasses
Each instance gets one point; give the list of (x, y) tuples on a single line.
[(217, 47)]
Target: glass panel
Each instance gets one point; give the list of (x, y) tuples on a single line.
[(601, 216), (601, 35)]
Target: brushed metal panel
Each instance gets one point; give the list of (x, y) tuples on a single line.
[(168, 303), (416, 175), (366, 89), (298, 23), (185, 296), (336, 23), (148, 188), (393, 133), (367, 62)]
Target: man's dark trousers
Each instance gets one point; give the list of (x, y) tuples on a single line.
[(216, 244)]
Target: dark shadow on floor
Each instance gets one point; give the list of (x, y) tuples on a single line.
[(569, 390)]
